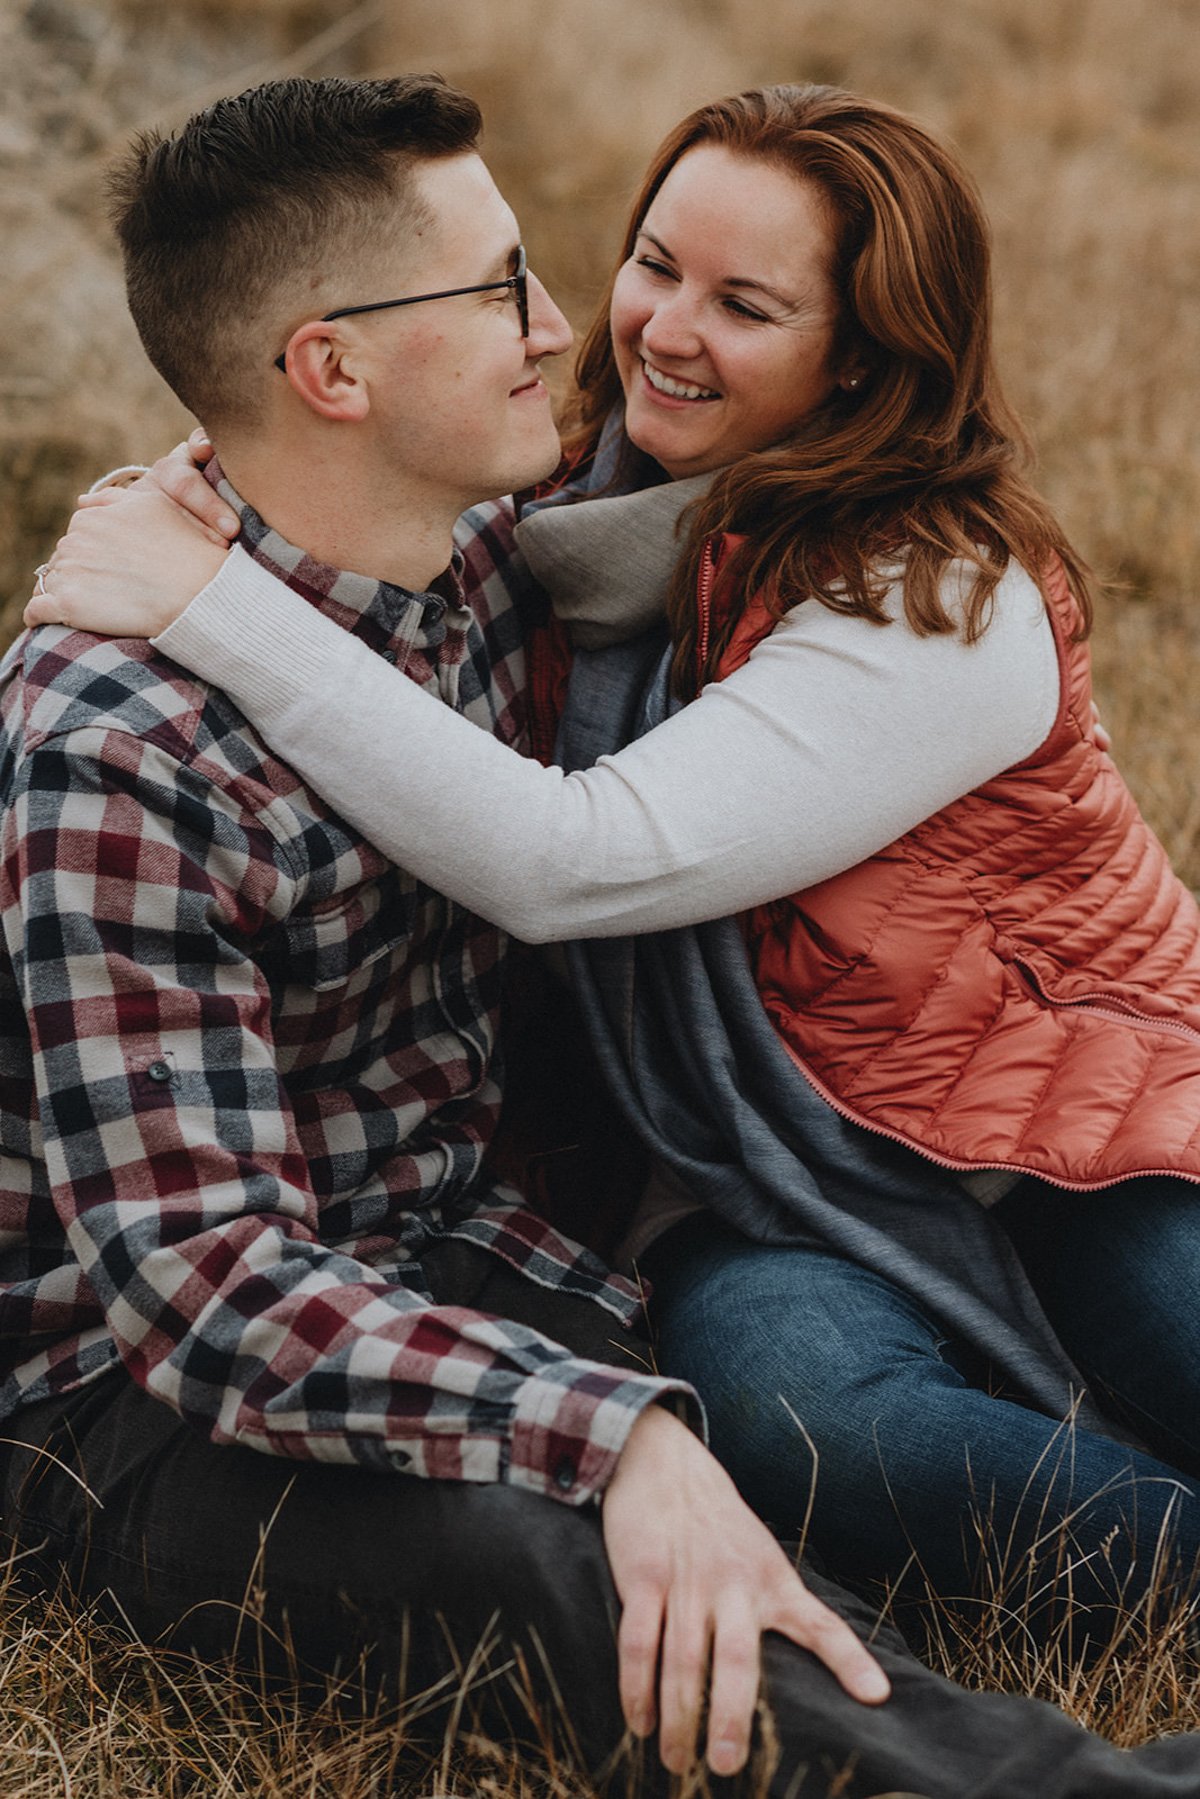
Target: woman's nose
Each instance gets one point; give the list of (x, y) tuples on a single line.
[(672, 328)]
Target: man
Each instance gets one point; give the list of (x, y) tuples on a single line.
[(272, 1329)]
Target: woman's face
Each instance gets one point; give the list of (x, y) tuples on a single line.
[(723, 317)]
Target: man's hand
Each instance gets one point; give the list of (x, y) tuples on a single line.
[(132, 557), (699, 1576)]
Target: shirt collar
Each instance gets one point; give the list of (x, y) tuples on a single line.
[(362, 604)]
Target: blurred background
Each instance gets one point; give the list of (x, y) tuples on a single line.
[(1079, 118)]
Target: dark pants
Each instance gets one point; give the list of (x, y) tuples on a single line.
[(221, 1551)]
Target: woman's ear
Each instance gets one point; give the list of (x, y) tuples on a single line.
[(321, 371)]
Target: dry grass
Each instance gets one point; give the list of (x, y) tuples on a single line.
[(1080, 119), (86, 1713), (1026, 1628), (1145, 1685)]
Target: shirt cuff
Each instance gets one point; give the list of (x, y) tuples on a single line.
[(567, 1439)]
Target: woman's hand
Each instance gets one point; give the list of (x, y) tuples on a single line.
[(1100, 736), (132, 557)]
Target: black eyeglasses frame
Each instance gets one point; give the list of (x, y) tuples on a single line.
[(518, 281)]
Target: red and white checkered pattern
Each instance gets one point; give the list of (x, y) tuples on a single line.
[(247, 1067)]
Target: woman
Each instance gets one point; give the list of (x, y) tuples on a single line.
[(940, 1152)]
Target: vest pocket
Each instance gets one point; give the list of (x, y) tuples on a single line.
[(1106, 1004)]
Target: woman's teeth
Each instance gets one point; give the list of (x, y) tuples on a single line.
[(678, 390)]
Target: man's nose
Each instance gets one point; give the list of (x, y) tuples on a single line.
[(549, 332)]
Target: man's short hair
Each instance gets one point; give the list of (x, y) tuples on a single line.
[(264, 205)]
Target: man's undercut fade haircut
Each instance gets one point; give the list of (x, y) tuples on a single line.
[(250, 213)]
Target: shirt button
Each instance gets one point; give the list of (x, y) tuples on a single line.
[(564, 1474), (390, 656), (160, 1071)]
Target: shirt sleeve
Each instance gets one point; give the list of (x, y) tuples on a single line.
[(133, 889), (835, 737)]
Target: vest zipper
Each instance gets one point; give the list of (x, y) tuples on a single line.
[(958, 1167), (1104, 1005), (708, 572)]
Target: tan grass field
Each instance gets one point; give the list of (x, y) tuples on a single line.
[(1081, 120), (87, 1714)]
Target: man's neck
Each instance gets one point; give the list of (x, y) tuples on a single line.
[(342, 516)]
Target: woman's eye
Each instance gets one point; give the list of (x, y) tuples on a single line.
[(741, 311), (663, 271)]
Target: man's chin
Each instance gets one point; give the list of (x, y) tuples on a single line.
[(537, 470)]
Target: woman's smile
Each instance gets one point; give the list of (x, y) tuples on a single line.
[(672, 387)]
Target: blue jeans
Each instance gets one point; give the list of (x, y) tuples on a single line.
[(826, 1388)]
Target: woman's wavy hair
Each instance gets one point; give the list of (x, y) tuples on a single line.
[(924, 458)]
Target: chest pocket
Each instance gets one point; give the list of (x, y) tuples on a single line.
[(332, 943)]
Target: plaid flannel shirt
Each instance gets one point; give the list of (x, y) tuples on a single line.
[(248, 1068)]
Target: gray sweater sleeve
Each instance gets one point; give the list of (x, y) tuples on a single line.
[(836, 737)]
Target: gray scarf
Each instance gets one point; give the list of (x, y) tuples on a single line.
[(680, 1031)]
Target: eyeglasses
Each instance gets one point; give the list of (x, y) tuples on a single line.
[(518, 282)]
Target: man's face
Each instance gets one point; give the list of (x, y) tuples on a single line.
[(455, 390)]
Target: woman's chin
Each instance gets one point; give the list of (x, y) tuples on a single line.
[(670, 452)]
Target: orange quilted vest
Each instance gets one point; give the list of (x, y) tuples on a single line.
[(1013, 984)]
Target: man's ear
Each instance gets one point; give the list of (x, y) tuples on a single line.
[(321, 371)]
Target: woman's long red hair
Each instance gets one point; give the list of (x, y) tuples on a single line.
[(925, 459)]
